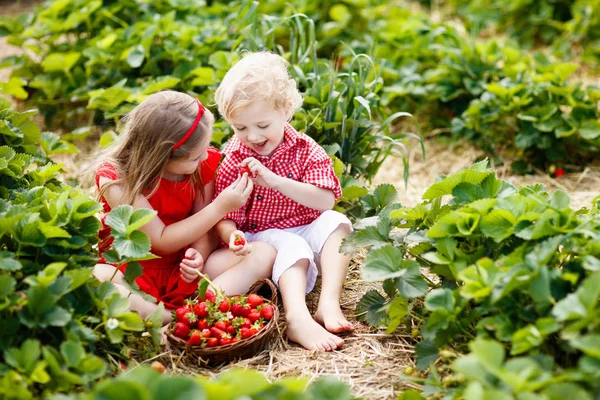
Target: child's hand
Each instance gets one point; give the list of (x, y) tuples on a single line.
[(238, 244), (261, 174), (236, 194), (191, 264)]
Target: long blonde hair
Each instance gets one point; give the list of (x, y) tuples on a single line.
[(145, 144)]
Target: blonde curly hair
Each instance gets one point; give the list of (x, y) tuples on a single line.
[(256, 77)]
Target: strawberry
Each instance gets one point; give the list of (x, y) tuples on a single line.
[(267, 312), (234, 340), (231, 330), (216, 332), (245, 333), (180, 313), (236, 309), (221, 325), (212, 342), (559, 172), (239, 241), (245, 170), (209, 296), (225, 340), (224, 306), (202, 324), (254, 316), (253, 331), (158, 366), (195, 338), (201, 310), (245, 311), (247, 323), (182, 330), (254, 300), (190, 319), (206, 333)]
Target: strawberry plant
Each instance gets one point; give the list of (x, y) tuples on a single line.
[(508, 281)]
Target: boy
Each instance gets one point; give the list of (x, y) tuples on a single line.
[(295, 189)]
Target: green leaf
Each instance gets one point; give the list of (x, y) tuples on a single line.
[(383, 263), (440, 299), (118, 219), (526, 339), (370, 308), (411, 284), (589, 344), (56, 62), (107, 138), (398, 310), (139, 218), (7, 285), (137, 246), (559, 200), (330, 388), (590, 129), (135, 56), (426, 353), (489, 353), (73, 352), (498, 224), (177, 387)]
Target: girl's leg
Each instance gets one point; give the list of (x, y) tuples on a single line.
[(334, 267), (234, 274), (104, 272), (302, 328)]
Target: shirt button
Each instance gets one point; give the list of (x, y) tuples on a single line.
[(259, 197), (290, 175), (253, 226)]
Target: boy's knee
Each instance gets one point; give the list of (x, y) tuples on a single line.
[(265, 253)]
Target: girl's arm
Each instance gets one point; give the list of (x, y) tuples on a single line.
[(203, 201), (168, 239)]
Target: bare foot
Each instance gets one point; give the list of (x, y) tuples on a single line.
[(308, 333), (331, 317)]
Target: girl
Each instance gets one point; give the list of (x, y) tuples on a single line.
[(163, 162)]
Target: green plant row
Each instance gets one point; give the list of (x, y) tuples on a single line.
[(502, 283)]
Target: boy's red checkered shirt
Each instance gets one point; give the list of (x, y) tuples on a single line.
[(298, 157)]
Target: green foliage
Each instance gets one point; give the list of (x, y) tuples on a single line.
[(508, 274), (59, 325)]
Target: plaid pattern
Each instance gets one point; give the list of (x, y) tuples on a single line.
[(298, 157)]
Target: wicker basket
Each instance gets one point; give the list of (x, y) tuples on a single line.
[(244, 348)]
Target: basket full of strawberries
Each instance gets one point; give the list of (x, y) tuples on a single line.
[(220, 328)]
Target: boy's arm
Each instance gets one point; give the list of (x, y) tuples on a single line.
[(224, 229), (306, 194)]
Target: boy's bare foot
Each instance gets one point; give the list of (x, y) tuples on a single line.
[(331, 317), (308, 333)]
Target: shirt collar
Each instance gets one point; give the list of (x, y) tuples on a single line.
[(290, 137)]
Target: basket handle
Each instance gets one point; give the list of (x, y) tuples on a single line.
[(260, 284)]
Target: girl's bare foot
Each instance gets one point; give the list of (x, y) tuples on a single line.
[(331, 317), (308, 333)]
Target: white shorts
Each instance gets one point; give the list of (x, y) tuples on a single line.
[(301, 242)]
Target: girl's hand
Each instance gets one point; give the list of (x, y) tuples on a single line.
[(261, 174), (238, 244), (191, 264), (235, 195)]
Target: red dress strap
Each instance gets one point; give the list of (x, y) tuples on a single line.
[(208, 167)]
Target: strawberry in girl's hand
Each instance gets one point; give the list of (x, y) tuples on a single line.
[(195, 338), (181, 330), (267, 312), (239, 241), (559, 172), (254, 300), (245, 170)]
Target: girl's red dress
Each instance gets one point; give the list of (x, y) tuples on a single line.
[(173, 202)]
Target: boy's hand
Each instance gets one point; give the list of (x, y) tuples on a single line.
[(191, 263), (236, 194), (238, 244), (261, 174)]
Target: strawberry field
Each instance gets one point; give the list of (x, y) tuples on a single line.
[(466, 137)]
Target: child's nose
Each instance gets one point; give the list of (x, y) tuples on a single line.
[(253, 135)]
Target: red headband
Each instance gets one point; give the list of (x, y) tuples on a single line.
[(184, 139)]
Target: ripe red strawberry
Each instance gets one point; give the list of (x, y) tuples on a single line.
[(209, 296), (202, 324), (245, 311), (180, 312), (253, 331), (254, 316), (239, 241), (225, 340), (231, 330), (221, 325), (246, 170), (195, 338), (559, 172), (181, 330), (254, 300), (216, 332), (224, 306), (206, 333), (247, 323), (212, 342), (236, 309), (201, 310), (267, 312), (234, 340), (190, 319), (245, 333)]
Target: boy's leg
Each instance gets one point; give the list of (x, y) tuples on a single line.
[(302, 328), (104, 273), (334, 267), (235, 274)]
